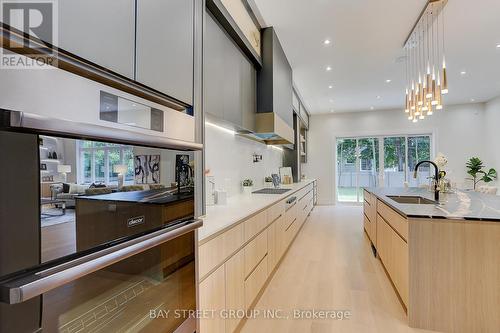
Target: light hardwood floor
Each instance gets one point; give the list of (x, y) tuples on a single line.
[(330, 266)]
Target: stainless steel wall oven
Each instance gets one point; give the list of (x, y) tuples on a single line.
[(95, 235)]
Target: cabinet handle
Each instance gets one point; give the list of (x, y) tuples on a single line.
[(25, 287)]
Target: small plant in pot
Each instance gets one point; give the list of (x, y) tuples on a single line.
[(475, 169), (268, 182), (247, 186)]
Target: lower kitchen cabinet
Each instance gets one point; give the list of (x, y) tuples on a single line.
[(272, 256), (385, 234), (212, 296), (255, 281), (235, 287), (238, 263)]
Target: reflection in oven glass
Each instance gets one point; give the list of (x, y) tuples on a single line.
[(95, 192), (120, 297)]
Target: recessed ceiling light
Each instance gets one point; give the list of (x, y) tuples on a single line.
[(330, 87), (472, 100), (327, 42), (379, 97), (463, 72), (328, 68), (498, 46), (331, 100), (388, 81), (372, 108)]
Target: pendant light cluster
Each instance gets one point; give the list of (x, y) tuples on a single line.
[(426, 80)]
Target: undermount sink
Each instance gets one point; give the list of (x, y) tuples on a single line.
[(272, 191), (412, 200)]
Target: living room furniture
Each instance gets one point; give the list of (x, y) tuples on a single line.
[(64, 169), (58, 203)]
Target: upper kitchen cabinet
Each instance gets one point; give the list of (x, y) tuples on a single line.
[(304, 115), (295, 102), (274, 87), (165, 39), (245, 21), (102, 32), (229, 78)]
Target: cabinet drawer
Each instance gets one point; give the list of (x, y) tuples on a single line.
[(366, 225), (255, 282), (367, 196), (255, 224), (398, 222), (272, 255), (254, 252), (214, 252), (274, 212)]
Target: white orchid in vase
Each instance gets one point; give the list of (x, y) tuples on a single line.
[(441, 162)]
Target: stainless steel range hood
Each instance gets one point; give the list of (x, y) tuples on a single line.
[(271, 129)]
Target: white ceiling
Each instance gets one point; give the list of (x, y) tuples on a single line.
[(367, 38)]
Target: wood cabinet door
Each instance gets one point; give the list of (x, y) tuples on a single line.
[(271, 247), (101, 31), (235, 288), (213, 298), (400, 268), (384, 240), (165, 39)]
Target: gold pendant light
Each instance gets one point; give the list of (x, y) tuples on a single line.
[(426, 79)]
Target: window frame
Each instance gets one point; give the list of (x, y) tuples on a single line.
[(92, 150)]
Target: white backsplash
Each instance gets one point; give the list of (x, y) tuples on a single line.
[(229, 159)]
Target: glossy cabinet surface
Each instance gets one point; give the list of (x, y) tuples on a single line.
[(230, 80), (165, 41), (102, 32), (275, 79)]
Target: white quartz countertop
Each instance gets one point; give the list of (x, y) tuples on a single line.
[(239, 207), (461, 205)]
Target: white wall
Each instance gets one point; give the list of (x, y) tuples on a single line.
[(458, 132), (229, 159), (492, 117)]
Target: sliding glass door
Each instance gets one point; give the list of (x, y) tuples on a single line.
[(394, 161), (363, 161), (419, 149), (357, 167)]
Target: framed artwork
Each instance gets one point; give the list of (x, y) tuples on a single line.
[(147, 169)]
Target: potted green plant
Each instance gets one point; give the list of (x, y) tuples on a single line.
[(247, 186), (268, 182), (475, 170)]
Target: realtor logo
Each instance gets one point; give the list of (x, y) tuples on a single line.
[(37, 20)]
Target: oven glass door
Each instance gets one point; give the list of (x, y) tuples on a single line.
[(152, 291)]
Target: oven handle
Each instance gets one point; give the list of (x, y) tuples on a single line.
[(18, 290), (30, 122)]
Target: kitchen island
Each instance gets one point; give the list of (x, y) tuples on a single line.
[(443, 258)]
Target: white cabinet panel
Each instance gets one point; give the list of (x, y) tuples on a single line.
[(165, 37), (101, 31)]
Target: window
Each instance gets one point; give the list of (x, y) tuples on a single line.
[(363, 161), (97, 159)]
